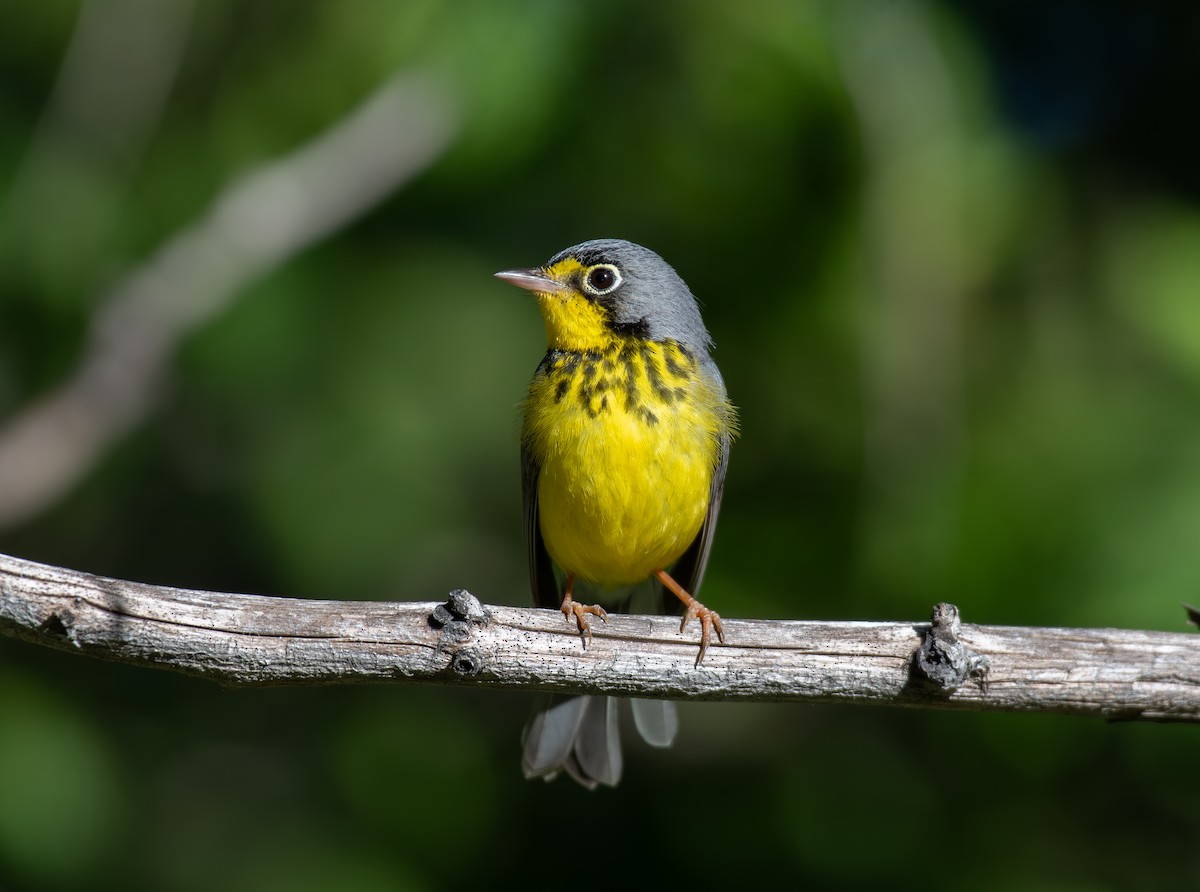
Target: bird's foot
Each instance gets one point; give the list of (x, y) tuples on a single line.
[(709, 620), (571, 608)]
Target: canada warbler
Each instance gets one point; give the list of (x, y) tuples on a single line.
[(624, 448)]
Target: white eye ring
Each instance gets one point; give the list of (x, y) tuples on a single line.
[(601, 279)]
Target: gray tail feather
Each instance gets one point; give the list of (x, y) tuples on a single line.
[(580, 735), (657, 721)]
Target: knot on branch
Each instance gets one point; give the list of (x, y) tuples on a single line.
[(61, 626), (1193, 614), (943, 659), (461, 606), (467, 661), (457, 619)]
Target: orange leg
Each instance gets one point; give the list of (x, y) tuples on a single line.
[(709, 619), (580, 611)]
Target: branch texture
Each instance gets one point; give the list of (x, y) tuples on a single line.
[(243, 640)]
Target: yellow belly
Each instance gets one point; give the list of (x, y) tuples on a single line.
[(617, 502), (625, 473)]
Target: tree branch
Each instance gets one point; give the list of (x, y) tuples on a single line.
[(244, 640), (257, 222)]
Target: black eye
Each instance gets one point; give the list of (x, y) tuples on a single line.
[(603, 279)]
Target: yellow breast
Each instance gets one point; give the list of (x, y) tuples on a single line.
[(627, 440)]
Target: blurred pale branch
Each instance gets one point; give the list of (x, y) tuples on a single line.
[(116, 75), (255, 224), (243, 640)]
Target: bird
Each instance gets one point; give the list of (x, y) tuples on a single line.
[(624, 447)]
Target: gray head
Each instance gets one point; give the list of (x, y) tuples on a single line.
[(633, 290)]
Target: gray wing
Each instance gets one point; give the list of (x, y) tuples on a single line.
[(541, 572), (689, 569)]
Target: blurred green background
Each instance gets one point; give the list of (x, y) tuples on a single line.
[(950, 256)]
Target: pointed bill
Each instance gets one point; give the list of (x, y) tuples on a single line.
[(531, 280)]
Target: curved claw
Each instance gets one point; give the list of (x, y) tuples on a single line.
[(570, 608), (709, 620)]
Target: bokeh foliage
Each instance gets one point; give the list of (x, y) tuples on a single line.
[(950, 255)]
